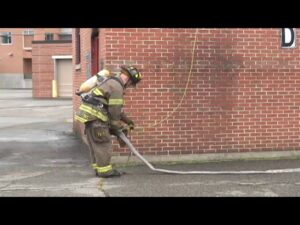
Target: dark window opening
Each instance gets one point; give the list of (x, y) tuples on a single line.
[(27, 68), (77, 46), (5, 38), (95, 50), (49, 36), (65, 36)]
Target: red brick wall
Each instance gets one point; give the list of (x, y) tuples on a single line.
[(40, 33), (43, 66), (11, 55), (82, 73), (243, 95)]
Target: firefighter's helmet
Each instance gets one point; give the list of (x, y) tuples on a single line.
[(133, 73)]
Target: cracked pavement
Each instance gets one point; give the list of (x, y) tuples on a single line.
[(40, 156), (140, 181)]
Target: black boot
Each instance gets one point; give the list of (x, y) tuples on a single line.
[(111, 173)]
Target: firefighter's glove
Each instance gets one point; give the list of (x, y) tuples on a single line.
[(127, 120), (125, 129), (119, 125), (131, 125)]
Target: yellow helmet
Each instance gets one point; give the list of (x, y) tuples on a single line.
[(133, 73)]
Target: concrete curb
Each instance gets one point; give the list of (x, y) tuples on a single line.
[(202, 158)]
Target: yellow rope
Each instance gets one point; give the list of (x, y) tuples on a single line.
[(184, 94), (179, 104)]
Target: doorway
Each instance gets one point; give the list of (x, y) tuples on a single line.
[(64, 77), (95, 51)]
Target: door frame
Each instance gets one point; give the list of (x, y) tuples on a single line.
[(95, 51), (55, 76)]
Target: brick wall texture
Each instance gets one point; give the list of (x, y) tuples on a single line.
[(43, 66), (243, 93)]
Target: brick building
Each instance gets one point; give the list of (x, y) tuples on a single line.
[(15, 57), (52, 63), (242, 95), (32, 58)]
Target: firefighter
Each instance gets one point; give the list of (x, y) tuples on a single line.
[(102, 113)]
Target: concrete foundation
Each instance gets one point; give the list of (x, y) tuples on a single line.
[(213, 157), (14, 80)]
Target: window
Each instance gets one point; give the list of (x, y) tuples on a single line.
[(77, 45), (49, 36), (65, 36), (27, 39), (66, 30), (5, 38), (27, 68), (28, 32)]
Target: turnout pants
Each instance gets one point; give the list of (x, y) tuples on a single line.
[(100, 144)]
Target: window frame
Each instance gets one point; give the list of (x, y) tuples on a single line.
[(77, 48), (51, 35), (2, 36), (28, 32)]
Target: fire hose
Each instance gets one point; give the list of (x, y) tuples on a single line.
[(121, 135)]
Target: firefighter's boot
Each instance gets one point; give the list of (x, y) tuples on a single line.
[(107, 171)]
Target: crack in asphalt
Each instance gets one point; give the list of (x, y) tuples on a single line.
[(101, 187)]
